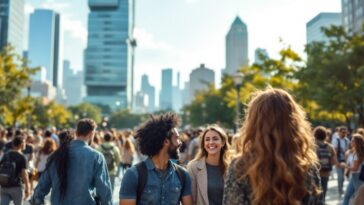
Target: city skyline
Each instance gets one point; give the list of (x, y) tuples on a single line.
[(165, 41)]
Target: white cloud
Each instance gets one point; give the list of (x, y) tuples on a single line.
[(146, 40), (76, 28), (28, 9), (56, 6)]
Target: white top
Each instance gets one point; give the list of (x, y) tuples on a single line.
[(42, 162)]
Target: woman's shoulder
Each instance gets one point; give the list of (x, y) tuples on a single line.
[(195, 163)]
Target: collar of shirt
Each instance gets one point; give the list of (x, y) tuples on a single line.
[(150, 166), (79, 143)]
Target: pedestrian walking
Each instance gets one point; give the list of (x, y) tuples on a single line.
[(278, 163), (111, 154), (13, 174), (209, 168), (157, 180), (327, 156), (357, 144), (74, 171), (341, 145)]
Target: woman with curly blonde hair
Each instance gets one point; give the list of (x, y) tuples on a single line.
[(209, 168), (278, 162)]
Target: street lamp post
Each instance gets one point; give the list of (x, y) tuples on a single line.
[(238, 80), (28, 113)]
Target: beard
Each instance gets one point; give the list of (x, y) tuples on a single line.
[(173, 152)]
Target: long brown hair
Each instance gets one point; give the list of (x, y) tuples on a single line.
[(224, 154), (278, 149), (49, 146), (359, 145)]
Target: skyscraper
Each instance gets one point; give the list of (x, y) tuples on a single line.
[(313, 27), (109, 53), (177, 95), (12, 24), (353, 14), (200, 79), (149, 90), (165, 98), (45, 40), (75, 90), (236, 46)]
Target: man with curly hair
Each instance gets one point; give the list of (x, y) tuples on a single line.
[(162, 181)]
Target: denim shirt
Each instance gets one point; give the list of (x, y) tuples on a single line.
[(156, 191), (87, 172)]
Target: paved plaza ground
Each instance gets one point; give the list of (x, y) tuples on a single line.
[(331, 198)]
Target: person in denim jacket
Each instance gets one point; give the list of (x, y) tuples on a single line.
[(158, 139), (75, 171)]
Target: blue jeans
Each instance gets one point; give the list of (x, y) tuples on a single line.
[(340, 179), (14, 194), (324, 182), (353, 186)]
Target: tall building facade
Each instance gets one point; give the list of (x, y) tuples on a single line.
[(200, 79), (314, 26), (177, 95), (73, 84), (236, 47), (12, 24), (148, 90), (45, 44), (352, 14), (109, 53), (165, 98)]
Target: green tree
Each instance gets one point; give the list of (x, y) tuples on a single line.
[(14, 78), (86, 110), (209, 107), (333, 77), (124, 119), (51, 114)]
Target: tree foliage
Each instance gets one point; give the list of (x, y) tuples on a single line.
[(86, 110), (333, 76), (124, 119), (14, 78)]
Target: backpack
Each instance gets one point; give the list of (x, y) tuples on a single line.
[(324, 155), (7, 171), (109, 157), (143, 176)]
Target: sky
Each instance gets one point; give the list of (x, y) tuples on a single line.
[(182, 34)]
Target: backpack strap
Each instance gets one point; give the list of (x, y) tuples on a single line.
[(182, 177), (142, 179)]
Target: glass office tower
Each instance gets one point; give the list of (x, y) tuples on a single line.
[(109, 53)]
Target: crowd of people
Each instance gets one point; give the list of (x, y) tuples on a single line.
[(275, 158)]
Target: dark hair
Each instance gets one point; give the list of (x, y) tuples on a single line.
[(343, 128), (47, 133), (60, 158), (85, 126), (152, 133), (17, 141), (108, 136), (65, 136), (320, 133)]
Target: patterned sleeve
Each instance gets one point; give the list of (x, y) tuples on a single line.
[(235, 193)]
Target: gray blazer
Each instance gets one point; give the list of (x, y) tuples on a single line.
[(198, 174)]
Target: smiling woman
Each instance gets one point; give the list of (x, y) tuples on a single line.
[(210, 163)]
